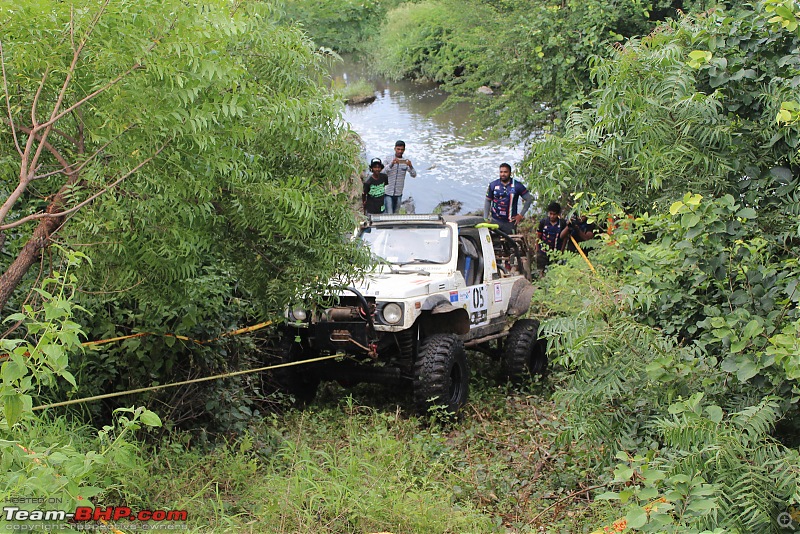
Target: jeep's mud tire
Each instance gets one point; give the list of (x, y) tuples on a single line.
[(441, 374), (524, 354), (299, 381)]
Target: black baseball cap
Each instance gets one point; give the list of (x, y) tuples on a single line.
[(375, 161)]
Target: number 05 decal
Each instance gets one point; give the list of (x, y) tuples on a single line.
[(478, 305)]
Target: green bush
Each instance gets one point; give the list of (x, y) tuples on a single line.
[(673, 349), (45, 457), (343, 25)]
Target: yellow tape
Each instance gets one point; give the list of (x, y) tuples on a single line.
[(185, 382), (582, 253), (112, 339), (244, 330)]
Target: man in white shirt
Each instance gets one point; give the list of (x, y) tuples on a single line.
[(396, 171)]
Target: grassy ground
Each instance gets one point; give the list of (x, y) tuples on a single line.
[(356, 461)]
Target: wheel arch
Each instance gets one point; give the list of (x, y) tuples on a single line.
[(439, 316)]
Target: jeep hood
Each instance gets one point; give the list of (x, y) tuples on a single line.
[(388, 286)]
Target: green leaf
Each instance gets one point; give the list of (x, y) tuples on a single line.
[(747, 370), (738, 345), (648, 493), (623, 473), (746, 213), (12, 370), (688, 220), (752, 329), (12, 405), (714, 413), (636, 518), (150, 418), (69, 378)]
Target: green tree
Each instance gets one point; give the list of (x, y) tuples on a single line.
[(343, 25), (692, 107), (534, 55), (174, 140)]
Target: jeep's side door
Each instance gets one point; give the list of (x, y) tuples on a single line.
[(498, 288)]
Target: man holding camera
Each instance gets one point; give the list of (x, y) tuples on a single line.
[(396, 171)]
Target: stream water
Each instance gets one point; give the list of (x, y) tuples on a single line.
[(450, 166)]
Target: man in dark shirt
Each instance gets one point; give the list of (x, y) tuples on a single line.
[(581, 229), (502, 198), (552, 232), (375, 188)]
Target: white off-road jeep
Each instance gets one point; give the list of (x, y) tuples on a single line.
[(440, 284)]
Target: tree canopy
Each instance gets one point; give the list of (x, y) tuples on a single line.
[(693, 107), (169, 140)]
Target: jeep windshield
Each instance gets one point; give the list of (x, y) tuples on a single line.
[(404, 244)]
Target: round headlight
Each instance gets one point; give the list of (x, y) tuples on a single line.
[(298, 314), (392, 313)]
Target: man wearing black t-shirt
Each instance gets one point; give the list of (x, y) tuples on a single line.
[(375, 188), (552, 232)]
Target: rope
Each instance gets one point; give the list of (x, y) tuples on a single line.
[(183, 383), (583, 254), (244, 330)]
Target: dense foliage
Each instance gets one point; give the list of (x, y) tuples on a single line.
[(684, 349), (342, 25), (683, 352), (534, 55), (194, 153), (690, 108)]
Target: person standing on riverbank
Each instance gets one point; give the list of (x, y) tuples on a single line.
[(502, 198), (396, 172), (375, 188)]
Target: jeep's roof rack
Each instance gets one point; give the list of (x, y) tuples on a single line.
[(431, 217), (465, 221)]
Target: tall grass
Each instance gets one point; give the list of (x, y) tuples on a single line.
[(339, 470)]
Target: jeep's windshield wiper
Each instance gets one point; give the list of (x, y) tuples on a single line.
[(419, 260), (395, 270)]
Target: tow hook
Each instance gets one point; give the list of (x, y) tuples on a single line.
[(371, 349)]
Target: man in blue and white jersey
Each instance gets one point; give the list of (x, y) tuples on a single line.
[(502, 198)]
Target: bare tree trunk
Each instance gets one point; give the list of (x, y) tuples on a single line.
[(28, 256), (31, 252)]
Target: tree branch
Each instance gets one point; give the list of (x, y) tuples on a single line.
[(66, 136), (50, 148), (55, 115), (45, 215), (90, 96), (85, 162), (8, 100)]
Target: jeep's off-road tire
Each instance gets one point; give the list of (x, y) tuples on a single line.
[(524, 354), (299, 381), (441, 374)]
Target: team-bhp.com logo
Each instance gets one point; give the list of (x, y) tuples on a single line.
[(87, 513)]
